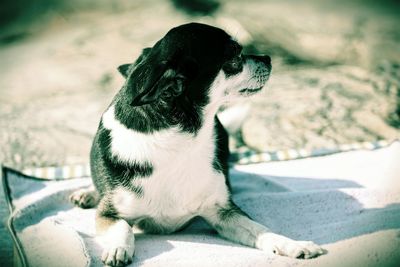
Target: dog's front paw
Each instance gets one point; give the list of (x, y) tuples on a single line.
[(280, 245), (299, 249), (117, 256), (84, 198)]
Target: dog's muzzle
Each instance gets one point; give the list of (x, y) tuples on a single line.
[(259, 69)]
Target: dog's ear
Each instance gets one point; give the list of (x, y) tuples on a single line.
[(124, 68), (167, 82), (170, 82)]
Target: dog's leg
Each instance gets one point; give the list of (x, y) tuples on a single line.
[(85, 198), (116, 237), (233, 224)]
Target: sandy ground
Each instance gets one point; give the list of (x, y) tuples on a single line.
[(335, 78)]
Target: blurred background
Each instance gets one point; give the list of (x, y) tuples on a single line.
[(335, 80)]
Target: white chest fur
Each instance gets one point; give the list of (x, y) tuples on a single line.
[(183, 183)]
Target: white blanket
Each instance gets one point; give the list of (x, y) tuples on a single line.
[(347, 202)]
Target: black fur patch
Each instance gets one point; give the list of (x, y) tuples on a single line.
[(221, 154), (179, 112), (230, 211), (107, 209)]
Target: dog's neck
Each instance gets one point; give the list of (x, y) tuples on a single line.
[(157, 116)]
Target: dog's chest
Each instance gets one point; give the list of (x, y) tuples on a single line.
[(176, 192), (183, 183)]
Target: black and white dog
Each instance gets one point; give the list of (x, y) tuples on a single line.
[(159, 157)]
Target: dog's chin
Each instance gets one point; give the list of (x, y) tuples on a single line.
[(250, 91)]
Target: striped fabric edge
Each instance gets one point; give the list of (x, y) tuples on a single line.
[(242, 156), (59, 173), (245, 156)]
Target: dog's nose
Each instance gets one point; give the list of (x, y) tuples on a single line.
[(264, 58)]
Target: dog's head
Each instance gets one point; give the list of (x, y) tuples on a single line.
[(192, 66)]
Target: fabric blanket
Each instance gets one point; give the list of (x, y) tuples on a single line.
[(347, 202)]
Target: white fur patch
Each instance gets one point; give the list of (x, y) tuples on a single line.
[(226, 89), (132, 146), (281, 245), (118, 235), (254, 75), (118, 243)]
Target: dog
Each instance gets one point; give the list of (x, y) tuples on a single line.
[(160, 155)]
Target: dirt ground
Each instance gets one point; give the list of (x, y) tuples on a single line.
[(335, 80)]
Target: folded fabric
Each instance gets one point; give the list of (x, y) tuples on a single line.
[(347, 202)]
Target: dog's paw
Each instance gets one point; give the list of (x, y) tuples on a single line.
[(283, 246), (299, 249), (117, 256), (84, 198)]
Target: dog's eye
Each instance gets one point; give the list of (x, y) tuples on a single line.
[(236, 62), (233, 66)]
